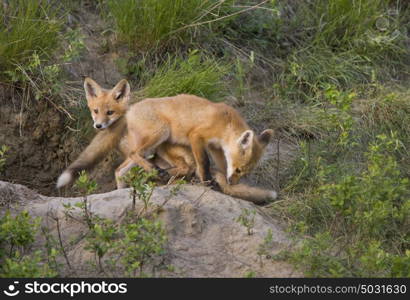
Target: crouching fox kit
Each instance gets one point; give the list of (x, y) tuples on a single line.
[(181, 131)]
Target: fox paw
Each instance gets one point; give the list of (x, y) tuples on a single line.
[(162, 174)]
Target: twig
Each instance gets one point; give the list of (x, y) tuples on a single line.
[(60, 240)]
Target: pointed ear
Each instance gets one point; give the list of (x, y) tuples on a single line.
[(246, 139), (92, 89), (265, 136), (121, 91)]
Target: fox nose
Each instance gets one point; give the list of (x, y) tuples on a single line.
[(98, 126)]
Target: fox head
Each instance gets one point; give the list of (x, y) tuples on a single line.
[(106, 106), (244, 153)]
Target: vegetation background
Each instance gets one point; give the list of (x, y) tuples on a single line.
[(331, 77)]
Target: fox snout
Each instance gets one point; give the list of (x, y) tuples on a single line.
[(232, 179), (98, 126), (103, 125)]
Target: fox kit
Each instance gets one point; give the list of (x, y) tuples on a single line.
[(204, 126), (108, 108)]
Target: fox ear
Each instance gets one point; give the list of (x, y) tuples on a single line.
[(265, 136), (92, 89), (246, 139), (121, 91)]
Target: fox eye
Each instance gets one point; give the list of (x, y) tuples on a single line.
[(110, 112), (96, 111)]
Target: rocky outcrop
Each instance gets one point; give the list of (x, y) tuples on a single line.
[(204, 237)]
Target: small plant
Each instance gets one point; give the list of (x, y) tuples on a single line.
[(250, 274), (28, 266), (54, 247), (247, 219), (17, 235), (86, 187), (84, 184), (141, 184), (3, 156), (176, 187), (96, 237), (101, 239), (341, 119), (140, 243), (266, 247)]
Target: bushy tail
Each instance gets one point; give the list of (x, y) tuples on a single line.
[(249, 193), (99, 147)]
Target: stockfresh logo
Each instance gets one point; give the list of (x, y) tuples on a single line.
[(12, 289), (61, 288)]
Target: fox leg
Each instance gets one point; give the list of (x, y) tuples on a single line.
[(141, 145), (218, 158), (179, 159), (134, 158), (200, 156), (138, 146), (122, 170)]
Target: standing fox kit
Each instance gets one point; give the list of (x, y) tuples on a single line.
[(180, 130)]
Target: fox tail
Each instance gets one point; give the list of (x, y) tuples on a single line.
[(249, 193)]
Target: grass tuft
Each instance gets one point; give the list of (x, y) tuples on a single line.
[(198, 75), (147, 24), (27, 28)]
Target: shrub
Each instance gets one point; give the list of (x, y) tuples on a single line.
[(349, 194), (17, 235), (353, 215), (28, 266), (142, 184), (135, 242), (140, 243)]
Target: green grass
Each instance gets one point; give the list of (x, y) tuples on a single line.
[(311, 69), (341, 23), (148, 24), (27, 27), (346, 43), (198, 75)]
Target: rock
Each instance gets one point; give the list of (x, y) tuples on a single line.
[(204, 238)]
